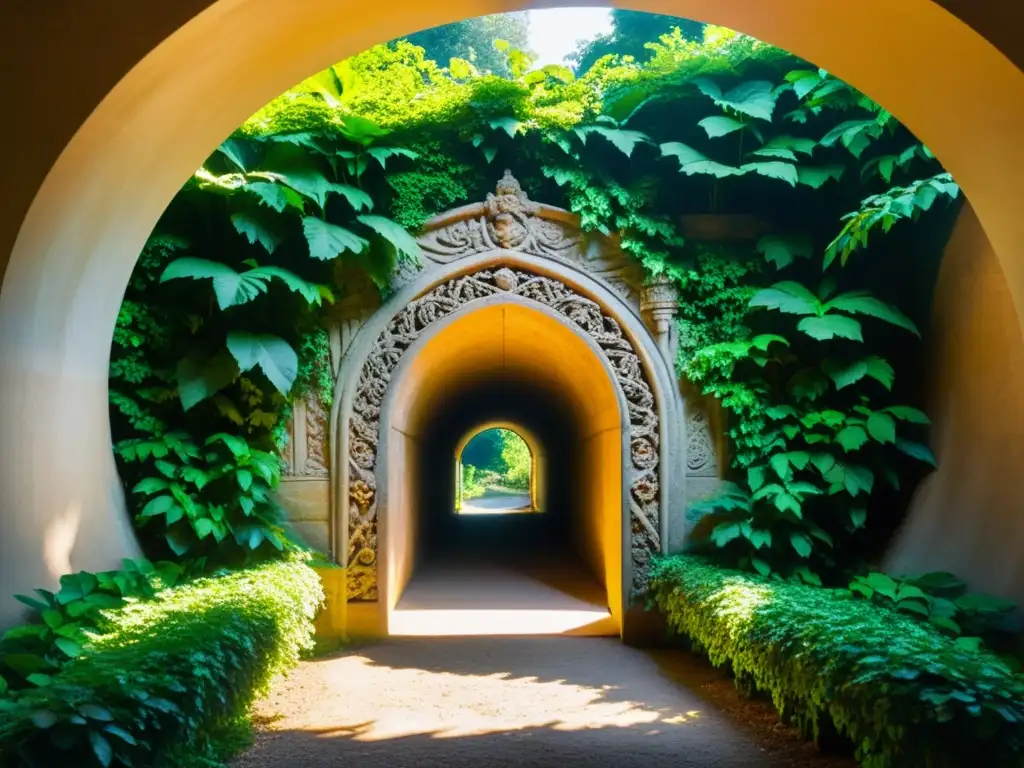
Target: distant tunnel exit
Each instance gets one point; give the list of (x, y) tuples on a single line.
[(497, 473)]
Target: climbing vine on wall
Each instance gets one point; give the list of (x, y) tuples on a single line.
[(223, 322)]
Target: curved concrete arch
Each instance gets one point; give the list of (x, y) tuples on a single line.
[(538, 458), (60, 500)]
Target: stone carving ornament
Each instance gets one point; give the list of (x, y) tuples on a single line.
[(417, 316), (506, 219)]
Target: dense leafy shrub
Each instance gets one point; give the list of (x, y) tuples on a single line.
[(65, 621), (943, 600), (160, 680), (901, 692)]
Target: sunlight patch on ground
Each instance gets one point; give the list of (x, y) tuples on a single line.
[(459, 623), (396, 703)]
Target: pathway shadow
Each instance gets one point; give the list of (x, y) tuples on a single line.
[(494, 702)]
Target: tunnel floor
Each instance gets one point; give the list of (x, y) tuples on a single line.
[(468, 702), (517, 594)]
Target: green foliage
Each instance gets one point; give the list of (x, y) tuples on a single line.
[(472, 41), (165, 678), (629, 37), (942, 599), (316, 195), (516, 456), (65, 621), (901, 692)]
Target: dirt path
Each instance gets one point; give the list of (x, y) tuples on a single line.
[(495, 702)]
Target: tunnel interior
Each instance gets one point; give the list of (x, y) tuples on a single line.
[(521, 367)]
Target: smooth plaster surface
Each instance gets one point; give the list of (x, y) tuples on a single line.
[(101, 153), (968, 517)]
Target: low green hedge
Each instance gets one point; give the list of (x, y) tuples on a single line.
[(902, 693), (165, 679)]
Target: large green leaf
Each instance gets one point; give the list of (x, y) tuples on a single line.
[(785, 147), (776, 169), (814, 176), (755, 98), (394, 233), (830, 327), (857, 479), (243, 153), (381, 154), (808, 384), (906, 413), (327, 241), (311, 292), (254, 230), (782, 250), (358, 199), (804, 81), (801, 543), (276, 196), (844, 373), (624, 140), (858, 302), (787, 296), (882, 427), (360, 129), (855, 135), (880, 370), (274, 356), (508, 124), (230, 287), (917, 451), (852, 438), (691, 161), (313, 184), (720, 125), (199, 377)]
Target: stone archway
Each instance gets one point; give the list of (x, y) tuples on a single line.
[(587, 317), (509, 248)]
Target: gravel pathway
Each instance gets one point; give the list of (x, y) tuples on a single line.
[(492, 702)]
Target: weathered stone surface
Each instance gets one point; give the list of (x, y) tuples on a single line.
[(306, 500)]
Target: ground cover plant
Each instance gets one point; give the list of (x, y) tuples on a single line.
[(901, 692), (167, 680)]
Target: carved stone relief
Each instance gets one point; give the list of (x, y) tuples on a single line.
[(509, 220), (701, 455), (317, 455), (418, 315), (307, 453)]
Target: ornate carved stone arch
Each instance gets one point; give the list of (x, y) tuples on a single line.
[(535, 253), (406, 327)]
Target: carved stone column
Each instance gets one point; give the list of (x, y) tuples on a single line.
[(659, 303)]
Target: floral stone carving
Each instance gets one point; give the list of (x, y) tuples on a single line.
[(415, 318)]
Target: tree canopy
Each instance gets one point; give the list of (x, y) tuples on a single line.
[(473, 40)]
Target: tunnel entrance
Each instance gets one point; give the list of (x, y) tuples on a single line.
[(518, 322), (503, 361)]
